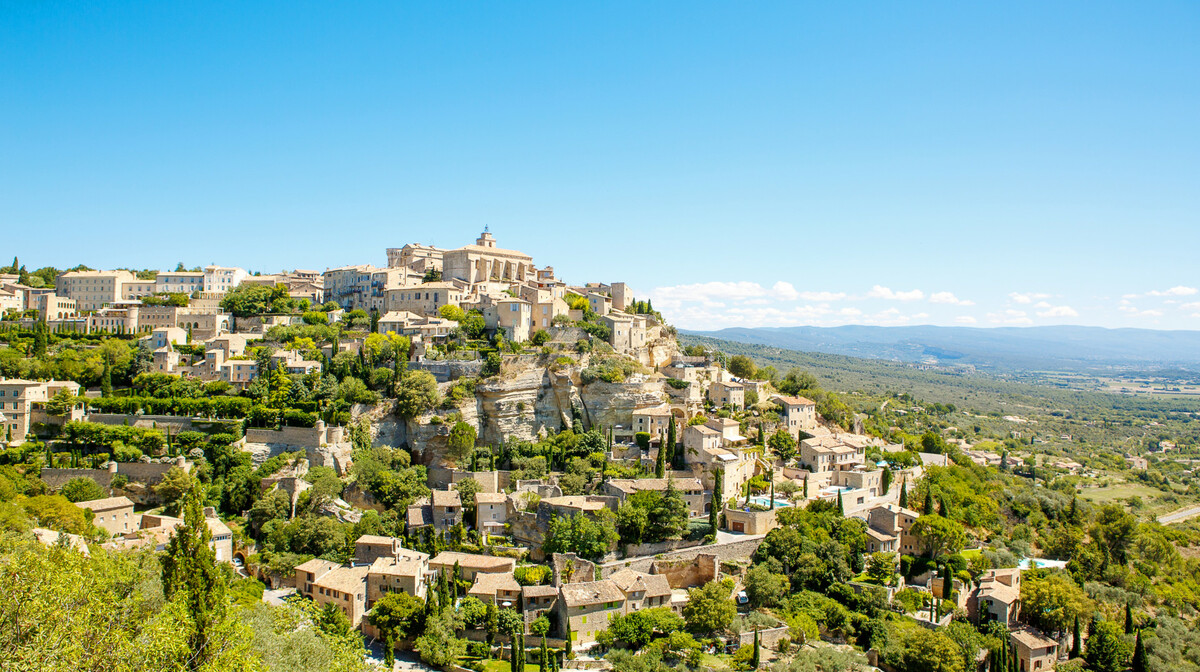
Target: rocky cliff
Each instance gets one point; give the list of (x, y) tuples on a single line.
[(528, 399)]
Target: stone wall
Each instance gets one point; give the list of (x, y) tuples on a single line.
[(687, 573), (732, 550), (636, 550), (582, 571), (767, 639), (446, 370)]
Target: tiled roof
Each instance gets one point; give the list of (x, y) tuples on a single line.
[(592, 592), (490, 498), (472, 561), (632, 485), (794, 401), (446, 498), (539, 591), (490, 584), (106, 504), (345, 579), (1032, 639), (653, 585)]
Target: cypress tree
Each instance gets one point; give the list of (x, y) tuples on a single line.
[(903, 493), (755, 658), (928, 510), (190, 575), (1076, 640), (567, 647), (1138, 664), (106, 379), (1128, 619), (806, 488), (944, 507), (660, 462), (772, 491), (885, 481), (714, 509), (841, 509), (673, 438)]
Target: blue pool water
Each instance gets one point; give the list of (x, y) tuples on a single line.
[(766, 501)]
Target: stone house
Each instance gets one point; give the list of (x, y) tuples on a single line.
[(589, 607), (113, 514), (895, 521), (799, 414), (727, 393), (404, 573), (642, 591), (693, 493), (370, 547), (22, 404), (491, 512), (997, 597), (471, 564), (345, 588), (501, 590), (653, 421), (750, 522), (1034, 651)]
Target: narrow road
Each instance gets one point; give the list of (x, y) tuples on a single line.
[(1181, 514)]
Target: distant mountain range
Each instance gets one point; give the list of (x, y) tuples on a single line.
[(1062, 347)]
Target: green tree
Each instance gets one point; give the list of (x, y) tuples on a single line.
[(1106, 649), (397, 616), (765, 588), (1138, 664), (461, 441), (741, 366), (190, 576), (82, 489), (1076, 640), (710, 607), (939, 536), (416, 393), (660, 461), (1052, 602), (783, 445)]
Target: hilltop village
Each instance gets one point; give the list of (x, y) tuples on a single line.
[(463, 456)]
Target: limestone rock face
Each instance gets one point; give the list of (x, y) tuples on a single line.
[(531, 398)]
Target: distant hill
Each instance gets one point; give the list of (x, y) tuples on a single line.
[(1061, 348)]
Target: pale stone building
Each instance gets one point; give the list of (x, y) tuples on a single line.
[(112, 514), (484, 262), (22, 404), (799, 414), (471, 564), (92, 290), (179, 282), (589, 607)]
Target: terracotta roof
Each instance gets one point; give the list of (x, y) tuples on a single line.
[(420, 515), (880, 536), (632, 485), (794, 401), (999, 592), (490, 584), (406, 566), (1032, 639), (653, 585), (317, 567), (375, 539), (490, 498), (446, 498), (473, 561), (106, 504), (539, 591), (345, 579), (656, 410), (592, 592), (573, 502)]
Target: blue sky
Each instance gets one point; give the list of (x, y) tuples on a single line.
[(742, 163)]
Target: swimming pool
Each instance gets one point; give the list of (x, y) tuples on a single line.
[(766, 501)]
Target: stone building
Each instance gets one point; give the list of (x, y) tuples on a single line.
[(112, 514), (484, 262)]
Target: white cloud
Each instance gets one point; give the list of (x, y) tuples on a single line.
[(822, 296), (1042, 304), (784, 291), (1027, 297), (1193, 305), (950, 298), (1178, 290), (881, 292), (1014, 317), (1059, 311), (965, 319)]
